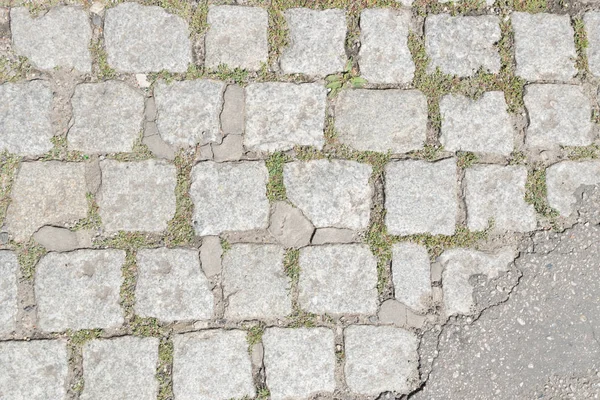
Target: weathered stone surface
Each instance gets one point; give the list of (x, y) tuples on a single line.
[(210, 255), (156, 144), (230, 149), (25, 118), (107, 117), (236, 37), (338, 279), (333, 235), (212, 364), (232, 116), (544, 46), (380, 359), (392, 312), (281, 115), (79, 290), (60, 38), (188, 111), (563, 180), (33, 370), (384, 56), (137, 196), (289, 226), (558, 115), (4, 23), (254, 282), (46, 193), (9, 267), (382, 120), (481, 125), (146, 39), (420, 197), (316, 40), (591, 20), (411, 272), (62, 239), (120, 368), (462, 45), (229, 197), (330, 193), (299, 362)]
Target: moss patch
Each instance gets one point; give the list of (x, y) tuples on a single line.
[(254, 335), (380, 243), (103, 71), (582, 152), (291, 265), (302, 319), (465, 159), (93, 219), (13, 70)]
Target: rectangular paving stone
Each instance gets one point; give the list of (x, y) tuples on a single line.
[(233, 114), (9, 267), (564, 178), (411, 272), (591, 20)]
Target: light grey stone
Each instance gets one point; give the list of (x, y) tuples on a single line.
[(137, 196), (338, 279), (382, 120), (558, 115), (330, 193), (420, 197), (232, 117), (299, 362), (282, 115), (60, 38), (384, 56), (236, 37), (481, 125), (392, 312), (25, 118), (204, 153), (563, 180), (9, 267), (46, 193), (93, 175), (231, 149), (257, 354), (591, 20), (462, 45), (411, 272), (156, 144), (107, 117), (544, 46), (316, 42), (33, 370), (210, 255), (120, 368), (289, 226), (254, 282), (146, 39), (333, 235), (229, 197), (210, 365), (380, 359), (79, 290), (53, 238)]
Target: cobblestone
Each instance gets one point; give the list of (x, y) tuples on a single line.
[(9, 267), (210, 255), (232, 117), (290, 226), (592, 26), (411, 273), (62, 239), (563, 180)]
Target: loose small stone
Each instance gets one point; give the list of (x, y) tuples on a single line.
[(564, 178), (333, 235), (210, 255), (411, 272), (591, 21), (232, 117), (53, 238), (231, 149), (9, 267), (289, 226), (392, 312)]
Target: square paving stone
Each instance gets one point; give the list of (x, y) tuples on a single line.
[(210, 365), (411, 271), (299, 362), (316, 40), (338, 279), (79, 290), (137, 196), (591, 21), (462, 45), (146, 39), (229, 197), (564, 178), (381, 120), (282, 115), (9, 267), (171, 286), (333, 194), (420, 197), (120, 368), (237, 37)]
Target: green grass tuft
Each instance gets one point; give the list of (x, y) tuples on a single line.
[(254, 335), (291, 265), (465, 159), (581, 44), (275, 186), (29, 254), (8, 168), (582, 152), (180, 230), (536, 192), (164, 369)]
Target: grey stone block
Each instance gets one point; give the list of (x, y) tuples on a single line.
[(53, 238), (9, 267), (564, 178), (333, 235), (289, 226), (230, 149), (210, 255), (591, 20), (4, 23), (232, 116), (411, 271)]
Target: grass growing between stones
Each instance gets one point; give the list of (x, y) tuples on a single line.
[(193, 12), (465, 159), (291, 265), (437, 244), (9, 164), (103, 70), (275, 187), (346, 79), (28, 255), (425, 7), (14, 70), (180, 230), (380, 243), (164, 369), (225, 246), (301, 319), (530, 6), (254, 335), (61, 152), (576, 153), (93, 219), (127, 292), (581, 44), (536, 193), (75, 342), (139, 152)]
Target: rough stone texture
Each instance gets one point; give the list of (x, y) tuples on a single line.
[(231, 149), (481, 125), (62, 239), (107, 117), (212, 364), (338, 279), (136, 196), (25, 118), (156, 144), (210, 255), (146, 39), (289, 226), (9, 267), (60, 38), (411, 272), (380, 359), (229, 197), (591, 20), (544, 46), (188, 111), (120, 368), (79, 290), (236, 37), (254, 282), (420, 197), (384, 56), (563, 180), (330, 193), (281, 115), (558, 115), (33, 370), (4, 23), (333, 235), (232, 116), (462, 45), (299, 362), (316, 40), (171, 286), (382, 120), (46, 193)]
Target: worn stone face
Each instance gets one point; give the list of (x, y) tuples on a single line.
[(299, 362), (289, 226), (411, 272), (563, 180), (333, 235), (210, 255), (281, 115), (53, 238), (591, 21), (232, 116), (146, 39), (9, 267), (231, 149)]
